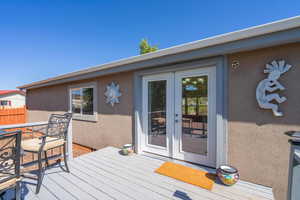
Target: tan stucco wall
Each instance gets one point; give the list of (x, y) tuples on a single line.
[(114, 125), (257, 144)]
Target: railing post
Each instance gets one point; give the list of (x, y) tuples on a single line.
[(70, 141)]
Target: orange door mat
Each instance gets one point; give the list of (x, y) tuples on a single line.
[(187, 174)]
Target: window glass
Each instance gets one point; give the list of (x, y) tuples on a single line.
[(157, 110), (4, 103), (87, 101), (76, 101), (82, 103), (194, 114)]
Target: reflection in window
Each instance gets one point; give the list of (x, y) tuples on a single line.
[(157, 113), (76, 101), (82, 101), (87, 101), (194, 114)]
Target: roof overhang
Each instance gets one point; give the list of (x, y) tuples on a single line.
[(271, 34), (9, 92)]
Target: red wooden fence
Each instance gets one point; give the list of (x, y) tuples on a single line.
[(13, 115)]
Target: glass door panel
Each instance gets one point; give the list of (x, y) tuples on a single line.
[(194, 114), (157, 111)]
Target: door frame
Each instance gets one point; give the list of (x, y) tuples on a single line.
[(165, 151), (220, 63), (210, 158)]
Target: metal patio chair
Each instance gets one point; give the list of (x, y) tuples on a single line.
[(187, 126), (55, 136), (10, 147)]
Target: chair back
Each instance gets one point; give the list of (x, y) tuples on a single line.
[(58, 125), (10, 147)]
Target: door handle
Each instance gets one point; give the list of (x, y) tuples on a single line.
[(177, 117)]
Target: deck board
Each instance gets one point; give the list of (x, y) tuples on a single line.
[(71, 188), (148, 164), (85, 185), (133, 191), (143, 184), (145, 171), (107, 175), (100, 182), (59, 189)]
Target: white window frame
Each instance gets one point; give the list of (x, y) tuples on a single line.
[(81, 116)]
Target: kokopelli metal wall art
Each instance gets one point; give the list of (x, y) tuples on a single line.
[(265, 95)]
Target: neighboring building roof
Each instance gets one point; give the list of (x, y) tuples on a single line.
[(265, 35), (6, 92)]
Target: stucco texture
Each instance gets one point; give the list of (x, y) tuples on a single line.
[(258, 146), (114, 124)]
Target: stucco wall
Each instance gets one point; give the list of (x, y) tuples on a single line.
[(257, 144), (114, 125)]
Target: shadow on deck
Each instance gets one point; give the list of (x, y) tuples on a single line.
[(105, 174)]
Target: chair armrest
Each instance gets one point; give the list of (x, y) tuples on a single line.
[(43, 138), (32, 135), (295, 134), (41, 128)]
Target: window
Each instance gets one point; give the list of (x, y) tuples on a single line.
[(83, 102), (5, 103)]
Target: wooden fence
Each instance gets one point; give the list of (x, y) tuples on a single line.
[(13, 115)]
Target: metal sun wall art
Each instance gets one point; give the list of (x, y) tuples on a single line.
[(264, 95), (112, 94)]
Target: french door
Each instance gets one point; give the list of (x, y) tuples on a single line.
[(158, 114), (179, 115)]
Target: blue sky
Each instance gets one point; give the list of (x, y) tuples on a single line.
[(42, 39)]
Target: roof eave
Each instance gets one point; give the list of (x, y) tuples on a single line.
[(213, 42)]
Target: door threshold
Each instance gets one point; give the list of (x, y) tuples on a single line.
[(182, 162)]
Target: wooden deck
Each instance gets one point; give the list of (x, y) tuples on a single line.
[(105, 174)]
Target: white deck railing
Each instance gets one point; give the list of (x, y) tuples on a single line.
[(43, 123)]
